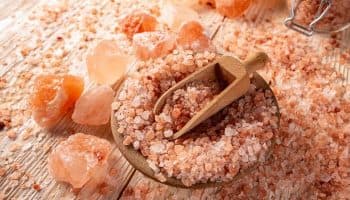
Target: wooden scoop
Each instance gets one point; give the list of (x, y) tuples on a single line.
[(227, 70)]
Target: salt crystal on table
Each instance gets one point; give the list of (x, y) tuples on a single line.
[(191, 36), (232, 8), (107, 63), (94, 106), (138, 22), (53, 96), (174, 15), (152, 45), (79, 159)]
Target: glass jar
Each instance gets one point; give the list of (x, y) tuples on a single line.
[(319, 16)]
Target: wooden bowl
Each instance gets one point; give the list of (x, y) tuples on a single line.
[(137, 160)]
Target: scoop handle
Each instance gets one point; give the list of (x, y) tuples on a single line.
[(255, 62)]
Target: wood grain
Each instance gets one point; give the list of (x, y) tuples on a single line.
[(31, 159)]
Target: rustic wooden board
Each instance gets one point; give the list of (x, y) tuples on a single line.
[(29, 158), (33, 159)]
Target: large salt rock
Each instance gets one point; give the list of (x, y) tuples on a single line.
[(175, 14), (53, 96), (232, 8), (152, 45), (94, 106), (107, 63), (79, 159), (191, 36)]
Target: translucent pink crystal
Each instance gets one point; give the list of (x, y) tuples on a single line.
[(107, 63), (232, 8), (94, 106), (191, 36), (152, 44), (175, 14), (79, 159)]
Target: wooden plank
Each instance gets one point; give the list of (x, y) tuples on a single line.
[(19, 36), (10, 8)]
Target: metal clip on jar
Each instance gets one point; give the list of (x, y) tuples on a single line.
[(311, 28)]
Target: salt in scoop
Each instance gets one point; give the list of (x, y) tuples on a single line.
[(231, 73)]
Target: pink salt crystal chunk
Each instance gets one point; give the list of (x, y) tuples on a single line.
[(152, 45), (107, 63), (191, 36), (175, 14), (79, 159), (94, 106)]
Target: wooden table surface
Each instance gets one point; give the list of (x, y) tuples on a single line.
[(23, 156)]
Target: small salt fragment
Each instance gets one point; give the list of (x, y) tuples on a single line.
[(136, 145), (174, 14), (160, 177), (116, 105), (14, 147), (230, 131), (94, 106), (138, 120), (179, 149), (106, 64), (11, 134), (165, 117), (120, 130), (152, 45), (145, 115), (79, 159), (157, 148), (136, 102), (168, 133)]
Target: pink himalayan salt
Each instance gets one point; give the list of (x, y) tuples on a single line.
[(175, 14), (191, 36), (79, 159), (232, 8), (106, 64), (94, 106), (152, 45)]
